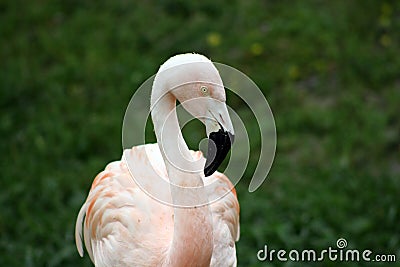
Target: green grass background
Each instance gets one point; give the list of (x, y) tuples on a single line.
[(329, 69)]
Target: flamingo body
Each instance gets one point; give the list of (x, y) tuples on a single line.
[(123, 226)]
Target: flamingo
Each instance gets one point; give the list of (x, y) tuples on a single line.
[(122, 224)]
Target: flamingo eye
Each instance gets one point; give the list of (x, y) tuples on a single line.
[(204, 90)]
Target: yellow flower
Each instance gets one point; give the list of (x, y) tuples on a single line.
[(384, 21), (385, 40), (293, 72), (256, 49), (214, 39), (386, 9)]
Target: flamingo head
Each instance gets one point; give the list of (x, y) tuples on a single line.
[(195, 82)]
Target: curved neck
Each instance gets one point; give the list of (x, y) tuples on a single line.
[(192, 239)]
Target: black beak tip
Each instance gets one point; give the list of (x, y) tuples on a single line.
[(208, 172), (219, 144)]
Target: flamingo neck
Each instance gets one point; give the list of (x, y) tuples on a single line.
[(192, 238)]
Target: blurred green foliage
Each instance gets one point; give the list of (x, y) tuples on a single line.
[(329, 69)]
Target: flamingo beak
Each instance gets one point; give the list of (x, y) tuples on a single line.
[(220, 137), (219, 144)]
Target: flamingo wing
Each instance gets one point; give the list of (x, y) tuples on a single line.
[(225, 213), (122, 225)]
